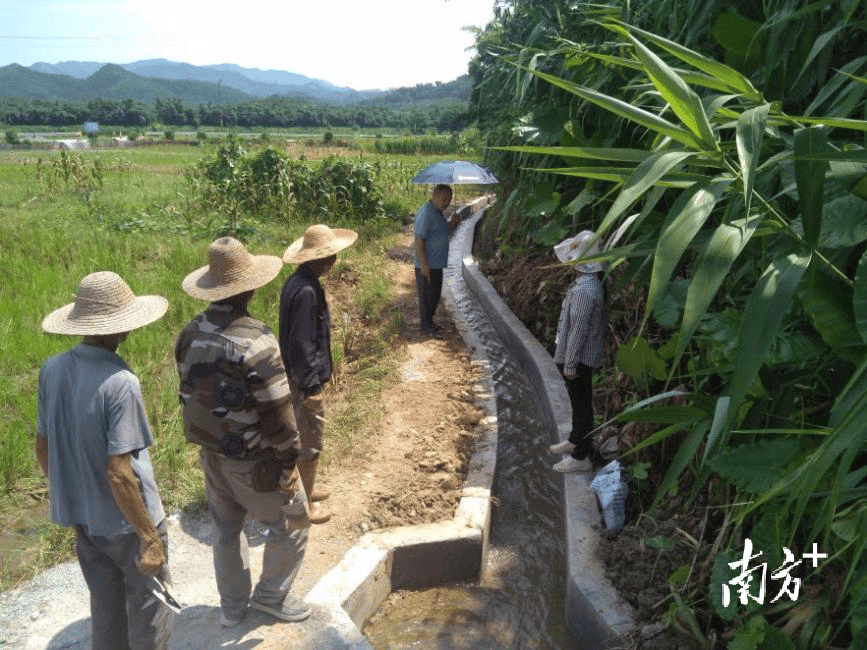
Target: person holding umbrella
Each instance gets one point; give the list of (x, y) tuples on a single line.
[(431, 254)]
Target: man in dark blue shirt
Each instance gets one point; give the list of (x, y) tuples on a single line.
[(431, 254)]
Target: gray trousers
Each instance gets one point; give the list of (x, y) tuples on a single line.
[(123, 613), (230, 494), (311, 429)]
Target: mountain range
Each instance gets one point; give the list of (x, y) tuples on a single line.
[(145, 80)]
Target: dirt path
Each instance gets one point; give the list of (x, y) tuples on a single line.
[(414, 474)]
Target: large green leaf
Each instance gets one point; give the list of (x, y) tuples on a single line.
[(766, 307), (682, 99), (621, 108), (726, 244), (828, 301), (735, 80), (844, 222), (638, 360), (687, 216), (810, 179), (851, 174), (750, 134), (757, 467)]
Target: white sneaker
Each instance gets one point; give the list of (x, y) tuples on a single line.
[(564, 447), (570, 464)]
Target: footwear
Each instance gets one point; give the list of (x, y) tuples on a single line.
[(320, 495), (227, 621), (292, 609), (318, 513), (564, 447), (570, 464)]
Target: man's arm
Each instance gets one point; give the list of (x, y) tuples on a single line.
[(421, 252), (42, 452), (124, 486)]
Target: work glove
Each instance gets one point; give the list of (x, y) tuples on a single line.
[(313, 403), (152, 556), (289, 479)]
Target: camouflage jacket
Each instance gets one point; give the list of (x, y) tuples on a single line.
[(233, 386)]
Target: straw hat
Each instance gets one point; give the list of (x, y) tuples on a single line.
[(573, 248), (318, 241), (104, 304), (231, 270)]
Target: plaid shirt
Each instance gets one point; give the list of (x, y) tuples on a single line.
[(234, 387), (582, 324)]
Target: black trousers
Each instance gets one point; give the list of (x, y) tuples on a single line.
[(429, 293), (580, 391)]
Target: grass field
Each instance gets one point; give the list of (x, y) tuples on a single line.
[(132, 213)]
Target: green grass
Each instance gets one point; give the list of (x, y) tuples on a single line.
[(141, 224)]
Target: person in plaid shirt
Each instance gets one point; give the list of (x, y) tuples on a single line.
[(579, 353)]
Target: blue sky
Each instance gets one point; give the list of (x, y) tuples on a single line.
[(363, 45)]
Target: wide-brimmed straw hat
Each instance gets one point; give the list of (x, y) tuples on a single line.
[(231, 270), (573, 248), (319, 241), (104, 304)]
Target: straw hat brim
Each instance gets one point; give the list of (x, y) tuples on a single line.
[(142, 311), (297, 254), (202, 284)]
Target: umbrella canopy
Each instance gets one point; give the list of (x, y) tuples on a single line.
[(455, 172)]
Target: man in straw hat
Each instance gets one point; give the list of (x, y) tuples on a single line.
[(431, 254), (91, 441), (305, 343), (237, 407), (580, 332)]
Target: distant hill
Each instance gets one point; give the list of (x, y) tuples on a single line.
[(251, 81), (111, 82)]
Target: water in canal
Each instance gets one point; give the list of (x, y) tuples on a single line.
[(519, 600)]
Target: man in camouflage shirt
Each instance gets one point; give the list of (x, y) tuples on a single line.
[(237, 406)]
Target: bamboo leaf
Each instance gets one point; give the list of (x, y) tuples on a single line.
[(687, 216), (722, 250), (736, 81), (645, 176), (859, 298), (621, 175), (750, 134), (683, 101), (766, 307), (595, 153), (819, 44), (681, 460), (810, 179), (831, 122), (627, 111)]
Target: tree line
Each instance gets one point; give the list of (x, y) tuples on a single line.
[(444, 114)]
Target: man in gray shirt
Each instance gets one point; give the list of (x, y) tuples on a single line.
[(92, 435)]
